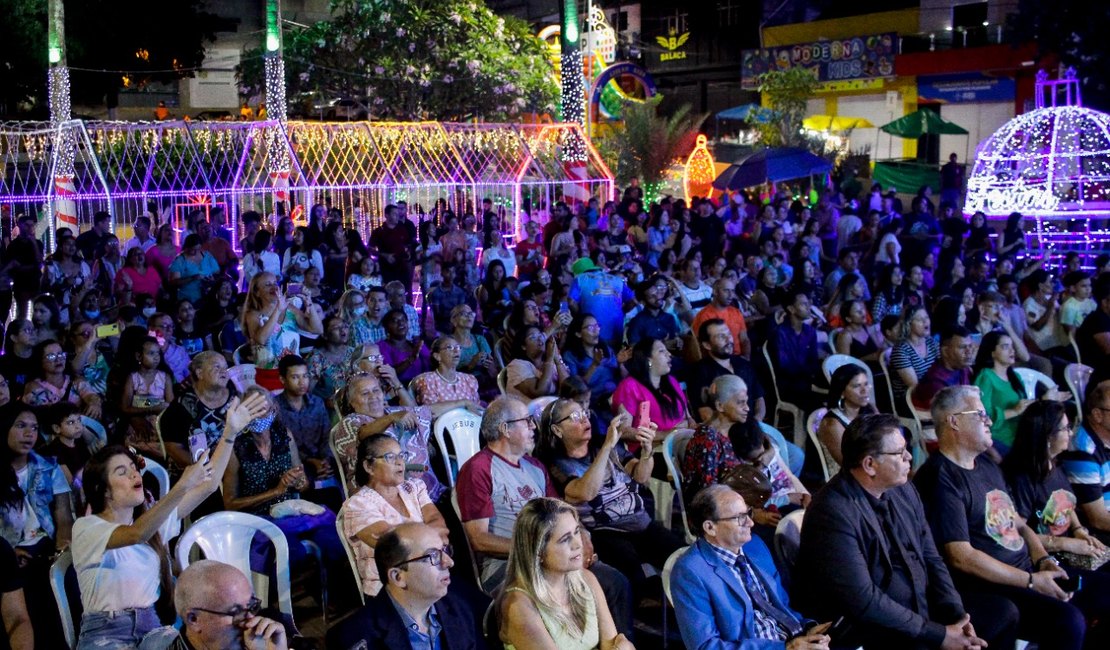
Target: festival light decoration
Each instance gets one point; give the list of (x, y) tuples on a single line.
[(1052, 164), (700, 171)]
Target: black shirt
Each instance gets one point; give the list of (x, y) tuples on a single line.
[(972, 505), (1045, 505), (9, 567), (707, 369)]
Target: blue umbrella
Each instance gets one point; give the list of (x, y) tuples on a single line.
[(771, 165), (747, 113)]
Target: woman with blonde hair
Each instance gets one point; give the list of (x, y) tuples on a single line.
[(549, 601), (270, 322)]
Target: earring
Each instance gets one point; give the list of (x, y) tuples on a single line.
[(840, 404), (649, 364)]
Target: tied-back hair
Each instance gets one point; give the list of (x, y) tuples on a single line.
[(531, 534), (984, 361), (667, 396), (95, 486), (838, 383), (1029, 455), (550, 446), (574, 343)]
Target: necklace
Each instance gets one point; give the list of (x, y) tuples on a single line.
[(449, 381)]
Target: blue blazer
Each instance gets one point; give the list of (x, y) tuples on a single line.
[(713, 609)]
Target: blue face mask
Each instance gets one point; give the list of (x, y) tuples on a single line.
[(262, 424), (92, 315)]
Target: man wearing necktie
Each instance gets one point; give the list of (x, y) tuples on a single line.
[(867, 554), (726, 589)]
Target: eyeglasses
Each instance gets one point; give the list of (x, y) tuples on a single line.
[(529, 419), (747, 514), (394, 456), (238, 613), (982, 415), (450, 348), (903, 452), (577, 416), (56, 356), (592, 327), (434, 557), (373, 358)]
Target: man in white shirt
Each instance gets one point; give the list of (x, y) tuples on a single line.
[(142, 239)]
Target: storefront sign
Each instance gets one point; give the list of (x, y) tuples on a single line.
[(965, 88), (862, 57), (674, 45)]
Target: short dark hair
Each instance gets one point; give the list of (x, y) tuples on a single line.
[(390, 551), (367, 450), (703, 330), (1075, 277), (702, 508), (952, 332), (289, 361), (864, 437), (250, 216), (101, 217), (573, 387), (143, 220)]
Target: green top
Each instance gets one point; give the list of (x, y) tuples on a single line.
[(567, 639), (999, 395)]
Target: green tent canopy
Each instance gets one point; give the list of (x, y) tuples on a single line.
[(920, 122)]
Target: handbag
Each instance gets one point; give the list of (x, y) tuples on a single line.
[(749, 482), (1086, 562)]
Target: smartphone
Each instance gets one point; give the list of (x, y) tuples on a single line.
[(198, 444), (1071, 584), (645, 414), (838, 629), (294, 289), (104, 331)]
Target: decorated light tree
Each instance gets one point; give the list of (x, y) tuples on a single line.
[(63, 208), (278, 160)]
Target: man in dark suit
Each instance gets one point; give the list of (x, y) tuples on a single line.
[(867, 554), (414, 609)]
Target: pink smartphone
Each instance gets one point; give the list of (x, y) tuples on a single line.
[(645, 414)]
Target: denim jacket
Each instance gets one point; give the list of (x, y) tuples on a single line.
[(40, 494)]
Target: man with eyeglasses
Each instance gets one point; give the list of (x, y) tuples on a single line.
[(415, 610), (989, 546), (867, 554), (494, 485), (726, 590), (220, 612), (1087, 464)]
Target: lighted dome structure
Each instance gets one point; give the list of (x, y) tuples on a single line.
[(1051, 163)]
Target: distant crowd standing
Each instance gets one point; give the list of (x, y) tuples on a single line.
[(297, 373)]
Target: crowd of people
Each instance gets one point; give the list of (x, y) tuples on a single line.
[(296, 372)]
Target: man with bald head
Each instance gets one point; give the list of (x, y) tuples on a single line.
[(414, 609), (220, 612), (723, 307)]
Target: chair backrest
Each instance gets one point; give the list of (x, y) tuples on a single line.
[(536, 406), (832, 338), (771, 368), (473, 558), (1031, 378), (461, 427), (668, 566), (98, 430), (241, 352), (884, 363), (158, 432), (502, 381), (226, 536), (499, 352), (58, 571), (160, 474), (340, 471), (1077, 375), (833, 362), (242, 375), (350, 553), (1074, 346), (674, 448), (812, 424), (788, 538), (777, 439)]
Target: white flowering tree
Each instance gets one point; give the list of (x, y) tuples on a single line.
[(446, 60)]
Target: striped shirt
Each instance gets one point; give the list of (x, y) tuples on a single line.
[(1087, 465), (766, 627)]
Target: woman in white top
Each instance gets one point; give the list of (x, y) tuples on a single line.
[(119, 551), (385, 500), (260, 259), (498, 251)]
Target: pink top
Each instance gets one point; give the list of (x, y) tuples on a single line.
[(160, 262), (630, 393), (366, 508), (149, 283), (432, 388)]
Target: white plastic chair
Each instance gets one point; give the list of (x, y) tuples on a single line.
[(834, 362), (1077, 375), (536, 406), (779, 441), (226, 536), (812, 424), (668, 566), (884, 363), (794, 410), (463, 429), (923, 430), (350, 553), (99, 432), (151, 466), (1074, 346), (832, 339), (499, 351), (788, 538), (674, 448), (58, 572), (1031, 378), (473, 558), (242, 375), (502, 381)]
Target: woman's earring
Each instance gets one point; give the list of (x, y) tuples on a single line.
[(649, 364)]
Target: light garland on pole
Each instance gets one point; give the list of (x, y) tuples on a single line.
[(279, 164)]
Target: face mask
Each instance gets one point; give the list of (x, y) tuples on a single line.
[(262, 424), (358, 311), (92, 315), (149, 311)]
